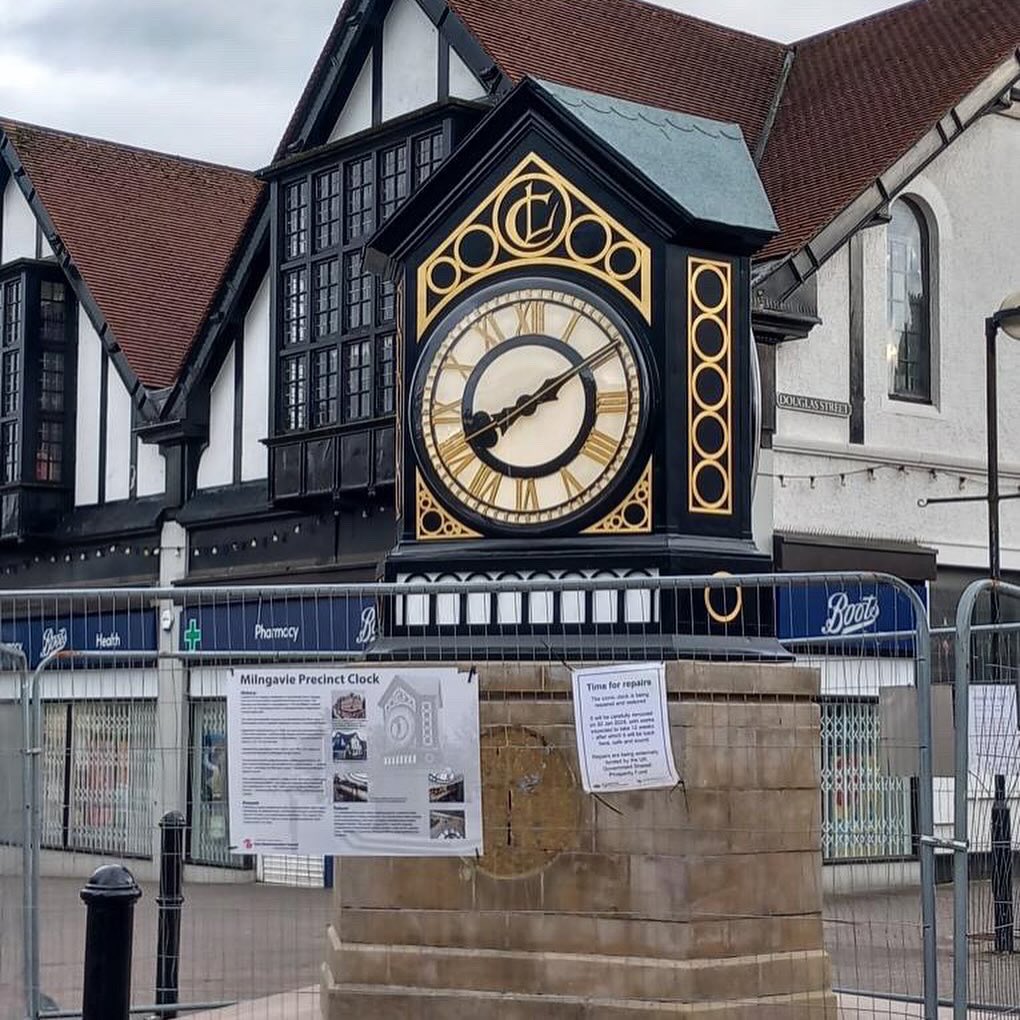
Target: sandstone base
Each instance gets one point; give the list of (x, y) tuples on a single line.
[(703, 902)]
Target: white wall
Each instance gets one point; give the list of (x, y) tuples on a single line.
[(255, 388), (217, 464), (410, 60), (915, 451), (86, 457), (118, 437), (463, 84), (151, 470), (19, 226), (357, 112)]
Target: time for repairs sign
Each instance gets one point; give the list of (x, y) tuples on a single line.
[(622, 722)]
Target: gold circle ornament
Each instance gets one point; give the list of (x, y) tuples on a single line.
[(737, 609)]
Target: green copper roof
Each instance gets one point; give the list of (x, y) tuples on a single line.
[(702, 165)]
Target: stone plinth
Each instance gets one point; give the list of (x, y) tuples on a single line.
[(703, 901)]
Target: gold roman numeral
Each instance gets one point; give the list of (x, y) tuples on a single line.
[(457, 366), (488, 329), (485, 484), (527, 495), (570, 483), (600, 447), (455, 452), (612, 402), (571, 326), (530, 317), (447, 414)]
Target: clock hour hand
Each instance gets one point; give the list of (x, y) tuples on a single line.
[(483, 429)]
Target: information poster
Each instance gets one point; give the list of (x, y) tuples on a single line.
[(354, 761), (992, 733), (622, 723)]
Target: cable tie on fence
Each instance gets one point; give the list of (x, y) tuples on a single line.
[(682, 786)]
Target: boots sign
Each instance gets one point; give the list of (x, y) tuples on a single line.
[(848, 616)]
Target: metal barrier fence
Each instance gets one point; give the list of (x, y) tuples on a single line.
[(986, 801), (126, 720)]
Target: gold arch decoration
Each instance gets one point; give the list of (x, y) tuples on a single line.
[(432, 522), (634, 515), (535, 217), (710, 386)]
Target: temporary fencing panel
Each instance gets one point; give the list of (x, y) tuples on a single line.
[(133, 724), (985, 797)]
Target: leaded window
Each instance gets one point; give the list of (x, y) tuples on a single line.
[(428, 154), (51, 382), (36, 372), (359, 205), (392, 180), (52, 311), (909, 306), (13, 311), (11, 382), (386, 368), (325, 387), (295, 219), (358, 379), (336, 321), (327, 210), (294, 406), (50, 451)]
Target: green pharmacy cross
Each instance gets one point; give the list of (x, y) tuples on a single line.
[(193, 635)]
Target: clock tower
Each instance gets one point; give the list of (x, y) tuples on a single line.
[(578, 395)]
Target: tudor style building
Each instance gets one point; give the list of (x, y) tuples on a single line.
[(202, 368)]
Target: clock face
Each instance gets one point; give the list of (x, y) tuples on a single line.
[(529, 405)]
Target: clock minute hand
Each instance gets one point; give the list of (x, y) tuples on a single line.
[(528, 403)]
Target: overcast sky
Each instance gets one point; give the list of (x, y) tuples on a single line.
[(217, 79)]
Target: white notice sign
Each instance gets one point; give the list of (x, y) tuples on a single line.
[(622, 723), (354, 761), (992, 733)]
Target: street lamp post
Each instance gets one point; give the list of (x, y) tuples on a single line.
[(1006, 319)]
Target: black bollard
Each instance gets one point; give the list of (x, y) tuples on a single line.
[(1002, 869), (169, 902), (110, 897)]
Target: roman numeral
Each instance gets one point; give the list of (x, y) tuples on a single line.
[(612, 402), (457, 366), (571, 326), (447, 414), (488, 329), (600, 447), (485, 484), (530, 317), (455, 452), (570, 483), (527, 495)]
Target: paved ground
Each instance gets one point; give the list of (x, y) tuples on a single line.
[(249, 942)]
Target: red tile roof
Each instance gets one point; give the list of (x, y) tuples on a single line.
[(857, 99), (860, 96), (152, 235)]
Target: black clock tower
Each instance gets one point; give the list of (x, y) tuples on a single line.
[(577, 386)]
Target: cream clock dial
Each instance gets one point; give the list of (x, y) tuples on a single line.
[(530, 405)]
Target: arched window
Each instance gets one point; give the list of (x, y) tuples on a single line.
[(909, 267)]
